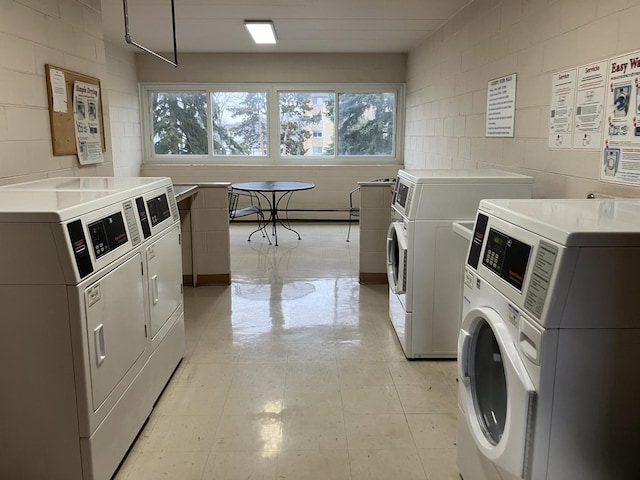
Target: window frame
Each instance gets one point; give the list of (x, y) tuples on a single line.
[(273, 124)]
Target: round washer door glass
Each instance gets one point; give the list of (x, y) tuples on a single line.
[(488, 383)]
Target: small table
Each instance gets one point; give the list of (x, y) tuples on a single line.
[(284, 188)]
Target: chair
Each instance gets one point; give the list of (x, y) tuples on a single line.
[(354, 212), (253, 208)]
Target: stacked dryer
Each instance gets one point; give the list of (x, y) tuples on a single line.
[(548, 351), (92, 322), (424, 289)]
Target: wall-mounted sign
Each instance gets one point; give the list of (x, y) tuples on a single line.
[(87, 126), (621, 150), (563, 89), (501, 106), (590, 97)]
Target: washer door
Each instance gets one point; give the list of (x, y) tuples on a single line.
[(497, 395), (397, 258)]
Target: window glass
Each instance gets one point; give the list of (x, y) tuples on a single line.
[(179, 122), (271, 124), (306, 123), (239, 123), (489, 384), (366, 123)]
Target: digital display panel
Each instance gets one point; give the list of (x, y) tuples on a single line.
[(507, 257), (107, 234), (158, 209)]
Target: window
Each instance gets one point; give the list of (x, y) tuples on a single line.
[(302, 113), (179, 123), (239, 123), (365, 123), (272, 124)]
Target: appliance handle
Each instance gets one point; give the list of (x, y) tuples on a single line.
[(464, 344), (98, 337), (154, 289), (389, 242)]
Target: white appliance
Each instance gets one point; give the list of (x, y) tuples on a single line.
[(92, 323), (424, 291), (548, 351)]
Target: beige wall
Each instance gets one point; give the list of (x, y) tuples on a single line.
[(333, 183), (124, 111), (267, 67), (64, 33), (447, 87)]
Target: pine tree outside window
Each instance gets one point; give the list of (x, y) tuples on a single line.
[(272, 124)]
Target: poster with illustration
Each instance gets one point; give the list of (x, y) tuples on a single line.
[(590, 106), (87, 124), (563, 89), (621, 150)]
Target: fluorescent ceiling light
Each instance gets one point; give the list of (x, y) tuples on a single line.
[(261, 31)]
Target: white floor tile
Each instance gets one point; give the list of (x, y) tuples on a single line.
[(294, 372)]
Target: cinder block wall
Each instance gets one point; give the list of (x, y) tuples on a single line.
[(447, 79)]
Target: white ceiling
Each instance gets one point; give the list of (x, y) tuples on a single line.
[(303, 26)]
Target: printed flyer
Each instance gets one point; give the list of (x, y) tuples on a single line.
[(621, 152), (590, 98), (87, 124), (563, 91), (501, 106)]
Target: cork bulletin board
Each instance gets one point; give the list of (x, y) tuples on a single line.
[(63, 138)]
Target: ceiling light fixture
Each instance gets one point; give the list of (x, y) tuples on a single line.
[(261, 31)]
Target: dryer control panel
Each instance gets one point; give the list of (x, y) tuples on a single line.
[(503, 254), (507, 257)]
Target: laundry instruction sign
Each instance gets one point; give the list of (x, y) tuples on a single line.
[(501, 106), (621, 150)]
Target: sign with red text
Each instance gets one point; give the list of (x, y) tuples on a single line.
[(87, 126), (563, 89), (589, 106), (621, 149)]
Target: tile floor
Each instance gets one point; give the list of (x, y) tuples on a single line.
[(294, 372)]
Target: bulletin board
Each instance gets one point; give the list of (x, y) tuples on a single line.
[(62, 123)]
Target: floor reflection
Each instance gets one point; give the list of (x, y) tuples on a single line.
[(294, 371)]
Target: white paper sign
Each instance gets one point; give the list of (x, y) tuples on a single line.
[(58, 90), (87, 124), (501, 106), (589, 108), (621, 151), (563, 90)]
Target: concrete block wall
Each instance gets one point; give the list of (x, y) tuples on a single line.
[(64, 33), (68, 34), (124, 111), (333, 182), (447, 79)]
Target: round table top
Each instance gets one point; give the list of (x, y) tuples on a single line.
[(273, 186)]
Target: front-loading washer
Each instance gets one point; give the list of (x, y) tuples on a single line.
[(424, 291), (547, 352)]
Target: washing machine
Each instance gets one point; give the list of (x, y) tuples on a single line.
[(92, 322), (424, 291), (548, 349)]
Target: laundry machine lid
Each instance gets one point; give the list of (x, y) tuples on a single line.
[(63, 198), (573, 222), (475, 175)]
